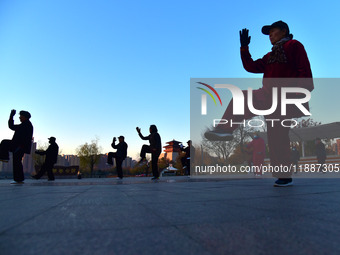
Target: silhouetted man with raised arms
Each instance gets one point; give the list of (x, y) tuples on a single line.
[(119, 155), (155, 148), (19, 145)]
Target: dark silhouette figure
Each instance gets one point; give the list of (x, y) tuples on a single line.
[(320, 152), (119, 155), (288, 59), (50, 159), (19, 145), (248, 154), (258, 148), (79, 175), (295, 157), (155, 149), (188, 157)]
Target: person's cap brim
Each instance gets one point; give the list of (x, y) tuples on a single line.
[(266, 29)]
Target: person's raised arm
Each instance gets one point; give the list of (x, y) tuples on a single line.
[(113, 144), (249, 64), (140, 134), (11, 121)]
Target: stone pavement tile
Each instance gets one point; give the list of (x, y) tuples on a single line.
[(17, 211), (330, 219), (64, 218), (286, 206), (318, 185), (155, 240), (199, 192), (99, 197), (207, 217), (266, 236), (202, 212)]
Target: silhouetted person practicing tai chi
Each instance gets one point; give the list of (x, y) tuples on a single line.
[(50, 159), (119, 155), (155, 149), (19, 145), (288, 59), (320, 152), (295, 157), (258, 147), (185, 160)]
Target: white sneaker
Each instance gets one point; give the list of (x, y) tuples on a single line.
[(216, 135), (16, 183)]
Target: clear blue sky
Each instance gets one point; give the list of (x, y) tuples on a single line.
[(87, 69)]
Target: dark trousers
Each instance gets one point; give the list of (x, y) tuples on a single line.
[(295, 164), (186, 162), (154, 159), (119, 162), (6, 147), (322, 162), (278, 136), (46, 167)]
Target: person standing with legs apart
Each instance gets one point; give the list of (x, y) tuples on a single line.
[(188, 157), (321, 155), (288, 59), (258, 147), (155, 148), (119, 155), (51, 158), (295, 157), (20, 144)]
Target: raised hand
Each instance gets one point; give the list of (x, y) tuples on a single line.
[(244, 37), (13, 112)]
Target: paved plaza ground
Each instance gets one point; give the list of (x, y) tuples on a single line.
[(176, 215)]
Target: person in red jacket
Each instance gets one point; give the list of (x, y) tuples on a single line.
[(288, 59), (258, 147)]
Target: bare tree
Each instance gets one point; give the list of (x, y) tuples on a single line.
[(223, 149)]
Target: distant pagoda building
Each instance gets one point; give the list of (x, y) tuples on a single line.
[(171, 150)]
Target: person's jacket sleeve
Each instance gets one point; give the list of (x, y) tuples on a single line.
[(257, 66), (23, 133), (144, 137), (121, 149)]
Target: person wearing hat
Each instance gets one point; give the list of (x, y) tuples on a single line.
[(185, 160), (50, 159), (287, 59), (119, 155), (20, 144)]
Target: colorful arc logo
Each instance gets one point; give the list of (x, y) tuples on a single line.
[(204, 97), (209, 93)]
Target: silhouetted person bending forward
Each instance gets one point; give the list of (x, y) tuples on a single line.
[(51, 158)]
